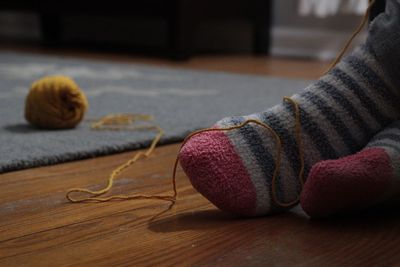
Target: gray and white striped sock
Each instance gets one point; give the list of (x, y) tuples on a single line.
[(339, 114)]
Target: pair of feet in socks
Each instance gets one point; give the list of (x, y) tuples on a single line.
[(350, 139)]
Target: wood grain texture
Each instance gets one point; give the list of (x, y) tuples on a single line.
[(39, 227)]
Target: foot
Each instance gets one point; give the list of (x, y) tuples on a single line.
[(355, 182), (339, 114)]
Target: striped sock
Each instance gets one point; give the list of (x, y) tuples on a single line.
[(358, 181), (339, 114)]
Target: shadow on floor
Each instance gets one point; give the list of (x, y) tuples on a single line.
[(373, 219), (20, 128), (210, 219), (25, 128)]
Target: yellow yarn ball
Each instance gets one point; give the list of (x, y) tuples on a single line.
[(55, 102)]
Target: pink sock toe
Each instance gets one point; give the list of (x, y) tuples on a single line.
[(346, 184), (218, 173)]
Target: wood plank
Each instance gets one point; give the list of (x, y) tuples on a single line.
[(39, 227)]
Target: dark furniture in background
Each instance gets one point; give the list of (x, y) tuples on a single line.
[(377, 8), (181, 16)]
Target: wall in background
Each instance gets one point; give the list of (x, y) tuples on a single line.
[(212, 36), (19, 26), (294, 35)]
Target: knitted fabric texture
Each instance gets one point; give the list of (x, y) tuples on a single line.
[(339, 114), (355, 182)]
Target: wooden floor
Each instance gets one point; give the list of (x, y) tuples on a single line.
[(39, 227)]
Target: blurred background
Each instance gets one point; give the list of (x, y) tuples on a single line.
[(182, 29)]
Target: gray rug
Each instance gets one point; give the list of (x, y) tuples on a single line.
[(181, 101)]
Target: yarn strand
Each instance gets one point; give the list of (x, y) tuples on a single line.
[(114, 122), (354, 34), (300, 152)]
